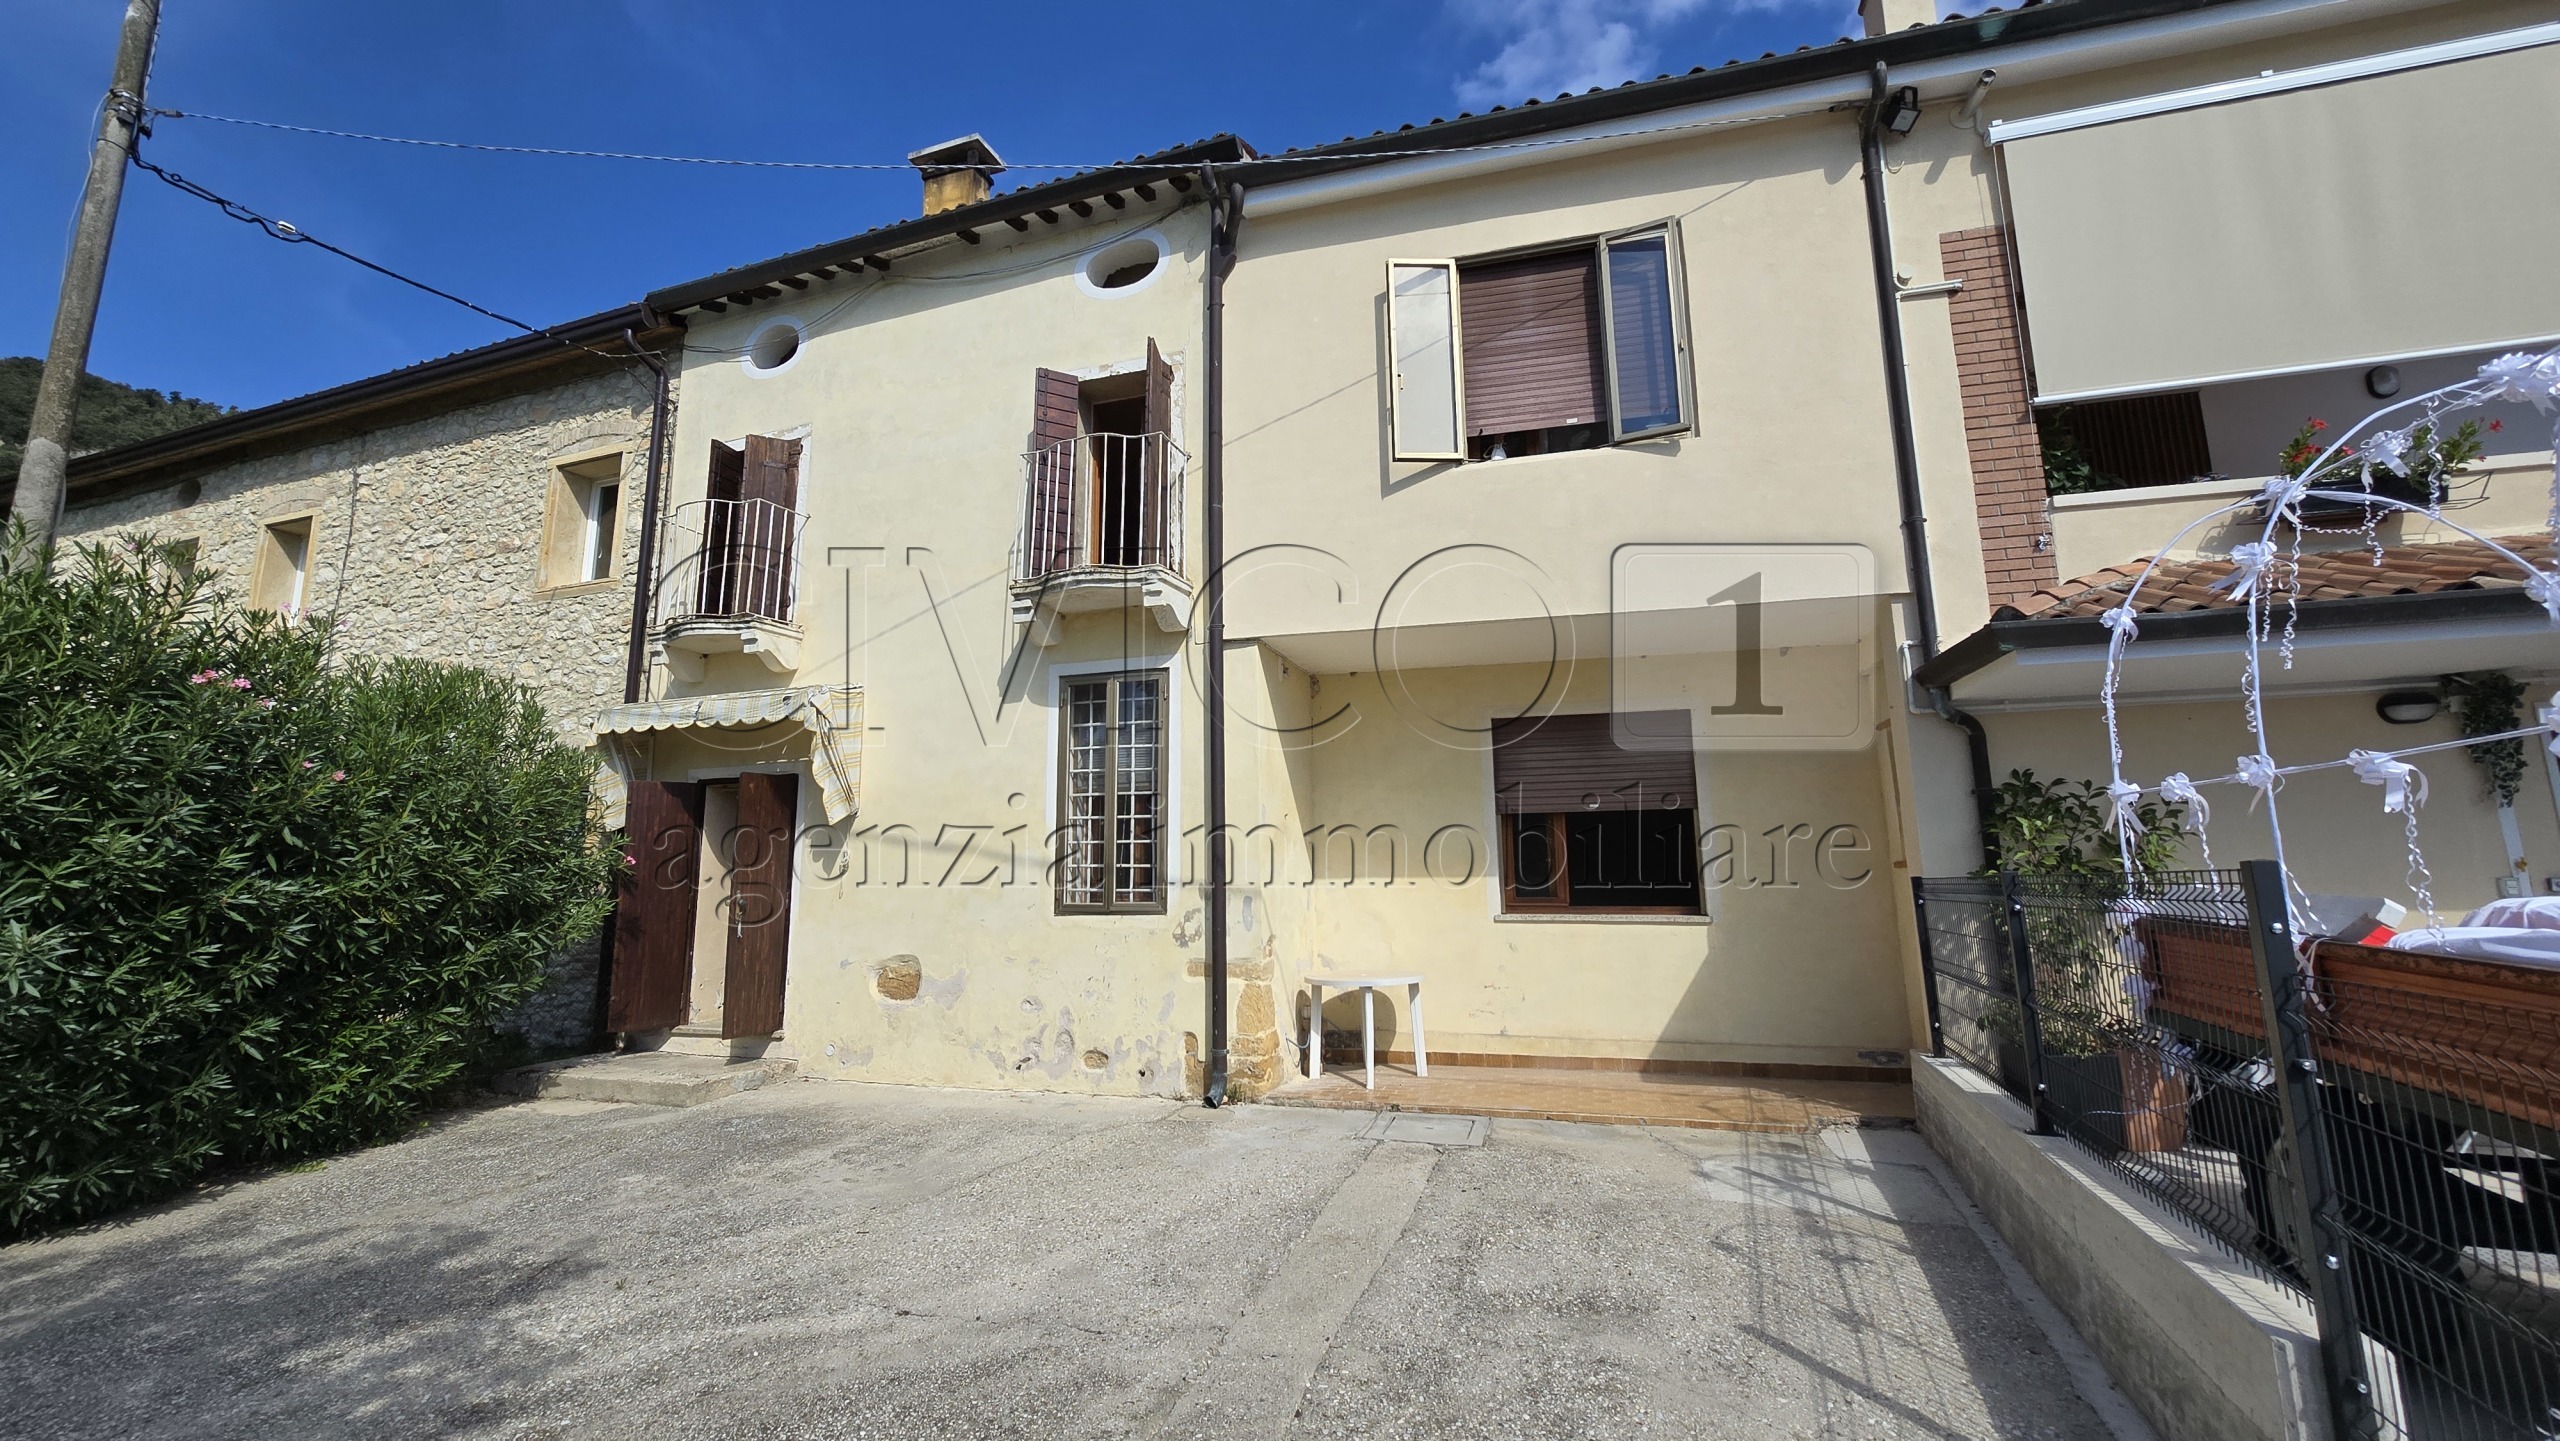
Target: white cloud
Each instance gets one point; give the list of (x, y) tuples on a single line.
[(1552, 47)]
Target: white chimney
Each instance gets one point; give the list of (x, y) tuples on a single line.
[(1883, 17)]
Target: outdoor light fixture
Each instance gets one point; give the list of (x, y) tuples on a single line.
[(1905, 111), (2382, 382), (2408, 707)]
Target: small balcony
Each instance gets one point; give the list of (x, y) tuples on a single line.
[(1101, 529), (731, 586)]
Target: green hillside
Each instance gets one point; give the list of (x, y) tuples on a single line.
[(110, 414)]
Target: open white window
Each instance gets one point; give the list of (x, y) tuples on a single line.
[(583, 525), (1425, 386), (1562, 347), (281, 580)]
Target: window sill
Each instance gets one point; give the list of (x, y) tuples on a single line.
[(1605, 918), (574, 589)]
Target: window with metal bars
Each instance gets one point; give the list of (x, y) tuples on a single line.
[(1110, 833)]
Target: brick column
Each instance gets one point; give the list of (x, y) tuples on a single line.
[(1999, 427)]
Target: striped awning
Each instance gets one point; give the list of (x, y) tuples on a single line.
[(832, 715)]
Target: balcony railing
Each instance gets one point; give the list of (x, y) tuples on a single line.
[(1102, 502), (731, 560)]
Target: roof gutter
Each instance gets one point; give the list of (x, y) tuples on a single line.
[(96, 476), (1941, 61), (1980, 650)]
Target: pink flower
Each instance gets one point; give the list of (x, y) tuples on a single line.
[(310, 765), (337, 775), (205, 677), (266, 705), (239, 682)]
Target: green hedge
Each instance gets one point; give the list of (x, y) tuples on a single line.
[(256, 901)]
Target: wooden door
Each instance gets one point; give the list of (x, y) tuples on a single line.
[(1057, 417), (653, 914), (760, 903)]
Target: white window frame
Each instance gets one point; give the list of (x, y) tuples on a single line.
[(1685, 419), (1396, 411), (592, 507)]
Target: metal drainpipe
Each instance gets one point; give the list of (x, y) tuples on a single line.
[(1906, 451), (1226, 213), (646, 562)]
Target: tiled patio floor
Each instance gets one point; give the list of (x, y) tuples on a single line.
[(1710, 1103)]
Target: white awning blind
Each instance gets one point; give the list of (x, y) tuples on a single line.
[(833, 718), (2395, 215)]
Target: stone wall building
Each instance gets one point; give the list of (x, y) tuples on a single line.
[(483, 509)]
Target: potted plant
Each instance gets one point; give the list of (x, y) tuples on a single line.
[(2107, 1076)]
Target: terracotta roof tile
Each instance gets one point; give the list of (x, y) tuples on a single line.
[(2177, 585)]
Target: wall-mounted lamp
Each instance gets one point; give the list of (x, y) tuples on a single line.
[(2408, 707), (1903, 111), (2382, 382)]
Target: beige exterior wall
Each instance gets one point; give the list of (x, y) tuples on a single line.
[(2337, 839), (426, 535), (913, 398)]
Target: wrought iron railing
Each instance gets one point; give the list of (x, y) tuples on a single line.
[(1108, 501), (731, 560), (2372, 1128)]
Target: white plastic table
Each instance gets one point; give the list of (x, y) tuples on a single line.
[(1367, 986)]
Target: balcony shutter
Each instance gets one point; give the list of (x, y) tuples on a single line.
[(1573, 763), (653, 910), (716, 587), (2377, 219), (1159, 393), (760, 904), (1425, 392), (765, 535), (1057, 417), (1533, 343)]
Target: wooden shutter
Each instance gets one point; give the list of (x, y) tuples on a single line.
[(760, 904), (767, 533), (1057, 418), (1572, 763), (716, 585), (1156, 460), (1426, 387), (1533, 343), (653, 911)]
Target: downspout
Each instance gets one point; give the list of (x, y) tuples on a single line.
[(1906, 451), (636, 665), (645, 564), (1226, 213)]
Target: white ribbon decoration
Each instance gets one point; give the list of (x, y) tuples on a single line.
[(2525, 375), (2176, 789), (2124, 799), (2545, 587), (2549, 715), (2249, 562), (2386, 450), (2121, 620), (2259, 772), (2404, 786)]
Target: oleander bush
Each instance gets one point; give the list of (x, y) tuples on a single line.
[(257, 901)]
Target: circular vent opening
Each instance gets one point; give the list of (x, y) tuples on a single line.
[(1123, 265), (773, 348)]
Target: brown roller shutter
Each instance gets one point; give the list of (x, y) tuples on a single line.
[(1057, 416), (653, 911), (1572, 763), (2142, 439), (1532, 333), (760, 904)]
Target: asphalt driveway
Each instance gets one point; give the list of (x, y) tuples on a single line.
[(830, 1260)]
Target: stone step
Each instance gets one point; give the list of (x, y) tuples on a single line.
[(647, 1078)]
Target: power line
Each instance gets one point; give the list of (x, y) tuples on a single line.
[(292, 234)]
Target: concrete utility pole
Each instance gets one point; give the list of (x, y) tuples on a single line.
[(84, 273)]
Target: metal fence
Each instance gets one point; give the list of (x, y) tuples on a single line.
[(2387, 1155), (1112, 501)]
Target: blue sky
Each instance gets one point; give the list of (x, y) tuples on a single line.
[(206, 306)]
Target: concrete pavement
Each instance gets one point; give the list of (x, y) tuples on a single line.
[(831, 1260)]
